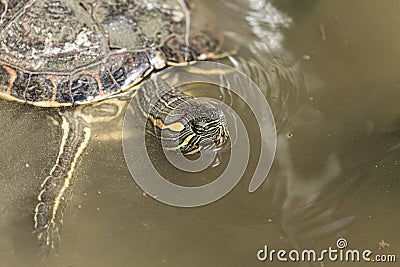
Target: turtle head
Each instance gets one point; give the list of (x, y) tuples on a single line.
[(202, 127)]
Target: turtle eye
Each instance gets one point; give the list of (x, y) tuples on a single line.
[(198, 127)]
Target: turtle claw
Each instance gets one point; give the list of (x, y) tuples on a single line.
[(47, 232), (48, 239)]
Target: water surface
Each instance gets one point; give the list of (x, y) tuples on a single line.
[(335, 175)]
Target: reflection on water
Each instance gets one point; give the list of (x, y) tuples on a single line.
[(266, 23), (335, 174)]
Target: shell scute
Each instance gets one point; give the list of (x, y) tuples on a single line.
[(85, 86), (108, 83), (63, 91), (4, 80), (19, 84), (129, 68), (39, 89)]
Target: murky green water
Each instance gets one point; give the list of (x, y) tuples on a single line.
[(335, 174)]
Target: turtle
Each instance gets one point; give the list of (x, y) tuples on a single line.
[(71, 55)]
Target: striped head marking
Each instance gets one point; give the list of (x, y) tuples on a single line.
[(195, 127)]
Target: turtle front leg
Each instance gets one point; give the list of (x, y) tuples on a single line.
[(56, 188)]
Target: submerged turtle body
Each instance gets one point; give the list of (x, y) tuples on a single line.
[(60, 53), (57, 53)]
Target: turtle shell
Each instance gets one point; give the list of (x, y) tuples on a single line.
[(59, 53)]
